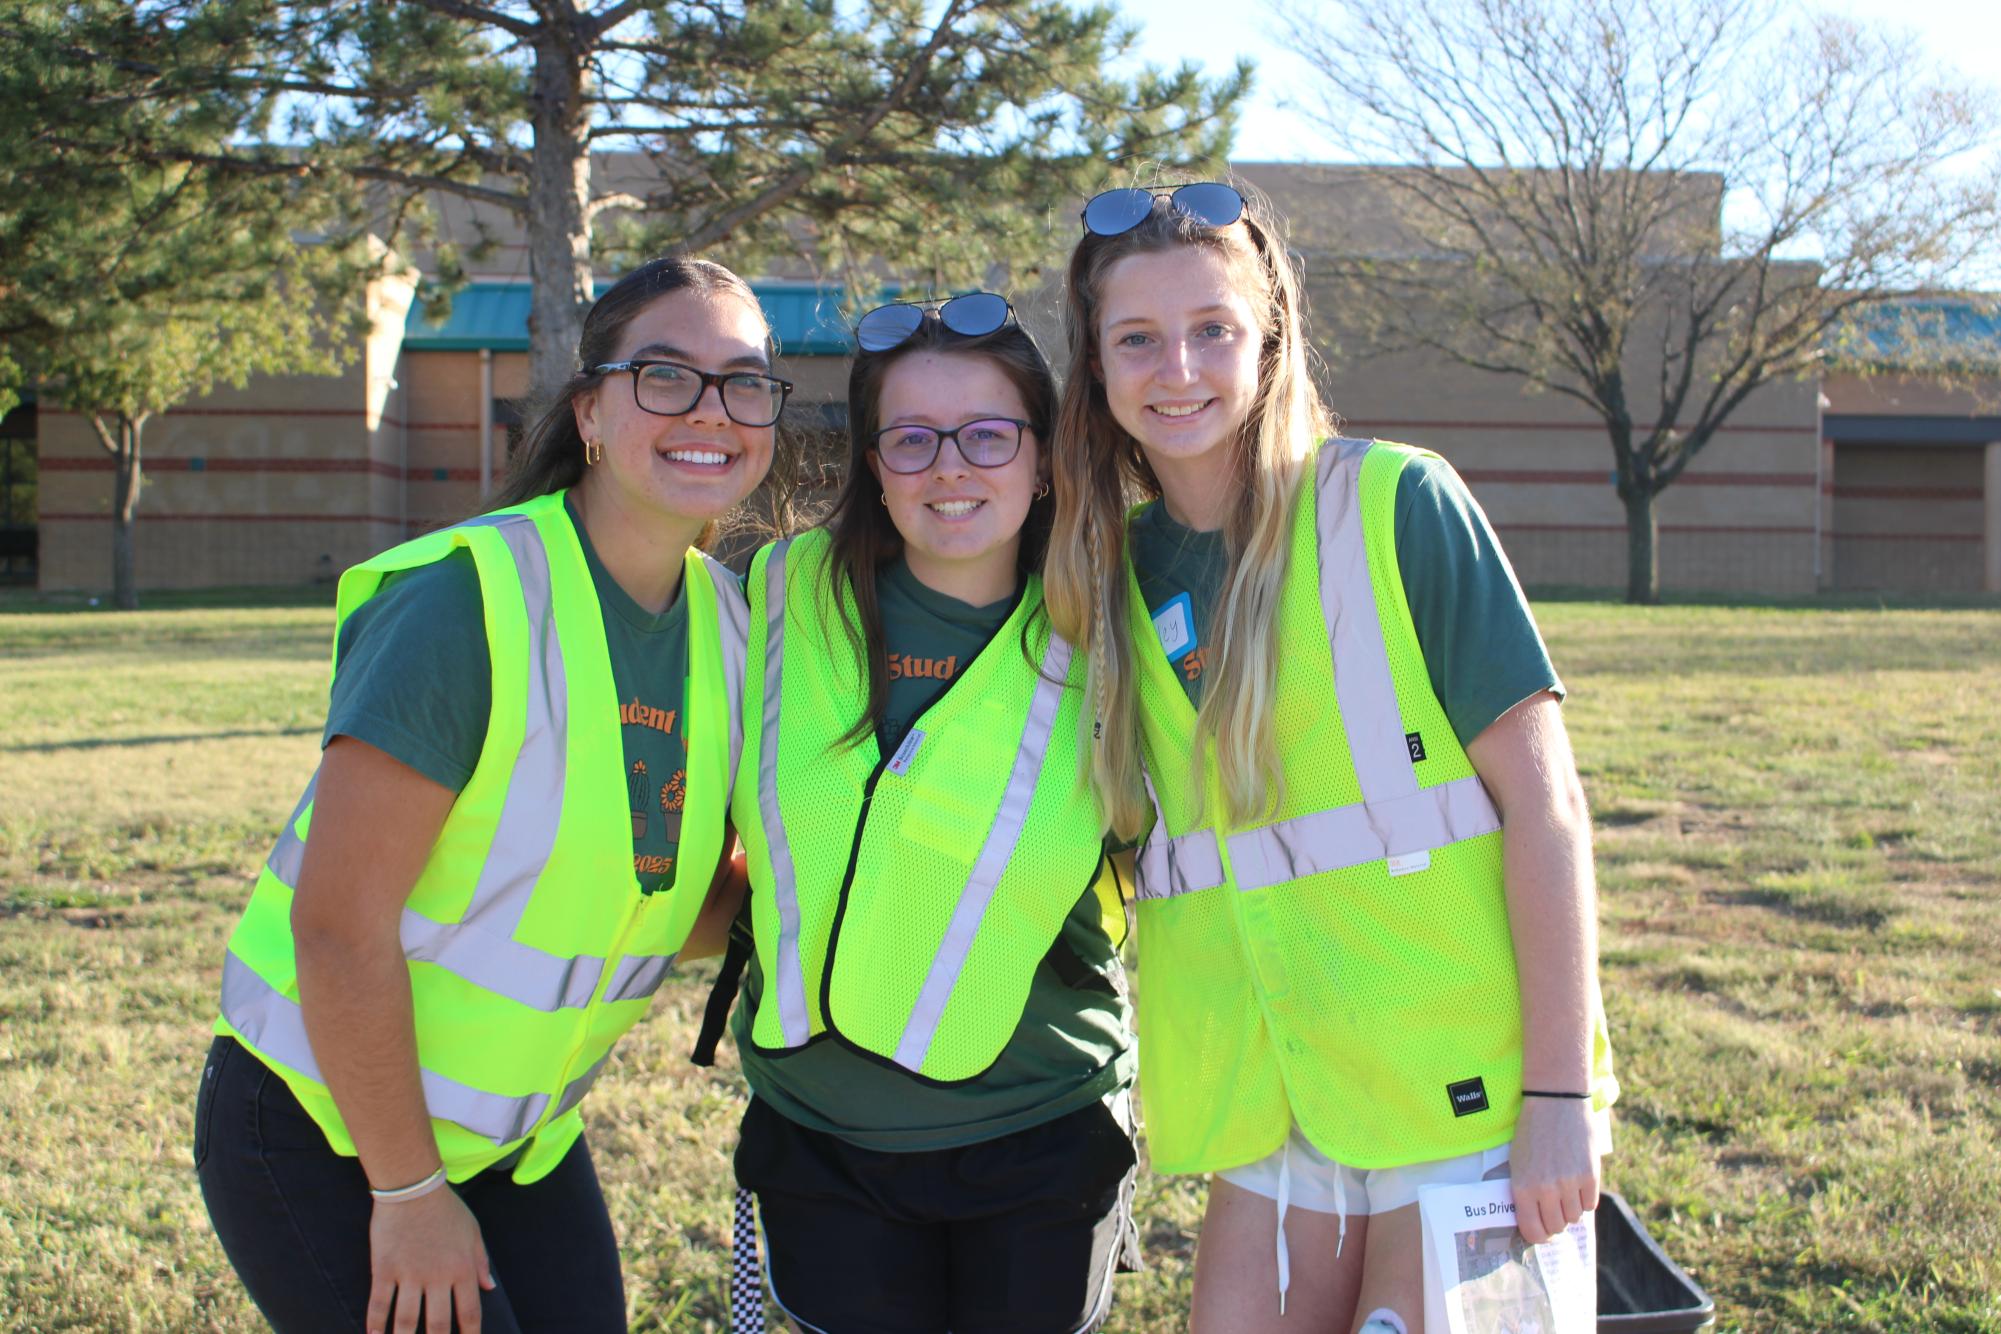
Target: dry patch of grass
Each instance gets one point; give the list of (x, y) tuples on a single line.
[(1800, 856)]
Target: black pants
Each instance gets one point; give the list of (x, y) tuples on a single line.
[(293, 1217), (1017, 1235)]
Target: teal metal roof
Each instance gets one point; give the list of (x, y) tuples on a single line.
[(1929, 334), (805, 319)]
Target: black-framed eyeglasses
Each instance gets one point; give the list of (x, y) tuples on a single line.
[(1116, 212), (970, 315), (671, 389), (989, 442)]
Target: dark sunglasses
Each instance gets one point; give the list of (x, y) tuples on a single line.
[(1116, 212), (971, 315)]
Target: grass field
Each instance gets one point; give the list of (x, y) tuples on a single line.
[(1800, 852)]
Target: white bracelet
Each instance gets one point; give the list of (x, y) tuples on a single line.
[(414, 1192)]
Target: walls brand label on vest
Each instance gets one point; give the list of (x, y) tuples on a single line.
[(1403, 863), (1416, 743), (1468, 1096), (899, 763)]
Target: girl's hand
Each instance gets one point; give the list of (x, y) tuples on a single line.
[(426, 1253), (1553, 1166)]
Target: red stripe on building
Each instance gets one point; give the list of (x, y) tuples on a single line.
[(1349, 426), (378, 467), (1603, 477), (231, 412), (1847, 492), (281, 413), (145, 517), (1909, 537), (1750, 529)]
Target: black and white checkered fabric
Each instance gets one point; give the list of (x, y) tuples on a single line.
[(746, 1275)]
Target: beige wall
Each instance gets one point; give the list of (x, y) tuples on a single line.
[(1742, 517), (233, 492)]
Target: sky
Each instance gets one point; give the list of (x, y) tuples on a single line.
[(1215, 32)]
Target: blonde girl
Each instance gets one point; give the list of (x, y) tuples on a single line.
[(1320, 702)]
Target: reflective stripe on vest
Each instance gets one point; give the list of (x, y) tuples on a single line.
[(1395, 817), (995, 852), (790, 984), (733, 619), (479, 947), (274, 1024)]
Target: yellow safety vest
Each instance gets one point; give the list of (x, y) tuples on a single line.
[(901, 902), (1344, 962), (530, 947)]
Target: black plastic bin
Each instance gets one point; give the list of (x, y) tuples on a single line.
[(1640, 1290)]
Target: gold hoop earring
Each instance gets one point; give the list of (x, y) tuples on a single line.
[(885, 498), (1042, 492), (593, 452)]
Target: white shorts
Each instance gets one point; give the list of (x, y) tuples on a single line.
[(1319, 1183), (1296, 1173)]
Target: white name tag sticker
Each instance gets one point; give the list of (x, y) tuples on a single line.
[(1407, 862), (899, 763), (1174, 622)]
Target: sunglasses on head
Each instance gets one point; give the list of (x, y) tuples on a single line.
[(1116, 212), (971, 315)]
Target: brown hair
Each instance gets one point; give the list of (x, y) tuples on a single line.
[(865, 538), (551, 454), (1099, 470)]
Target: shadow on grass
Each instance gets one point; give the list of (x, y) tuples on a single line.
[(1826, 910), (1882, 600), (25, 601), (116, 742)]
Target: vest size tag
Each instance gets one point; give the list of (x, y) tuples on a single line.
[(899, 763), (1174, 622), (1468, 1096), (1406, 862), (1416, 743)]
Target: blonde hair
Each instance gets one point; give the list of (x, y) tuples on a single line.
[(1100, 469)]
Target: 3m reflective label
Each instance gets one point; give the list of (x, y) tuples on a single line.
[(899, 763)]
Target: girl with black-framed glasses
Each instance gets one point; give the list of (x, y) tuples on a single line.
[(519, 821), (934, 1023)]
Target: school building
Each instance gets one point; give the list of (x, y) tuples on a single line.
[(1849, 483)]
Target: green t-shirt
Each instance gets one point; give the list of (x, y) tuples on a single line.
[(1074, 1043), (1481, 646), (414, 679)]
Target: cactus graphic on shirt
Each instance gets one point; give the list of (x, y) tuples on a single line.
[(636, 789)]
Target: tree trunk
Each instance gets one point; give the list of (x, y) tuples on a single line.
[(1643, 546), (559, 229), (127, 477)]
